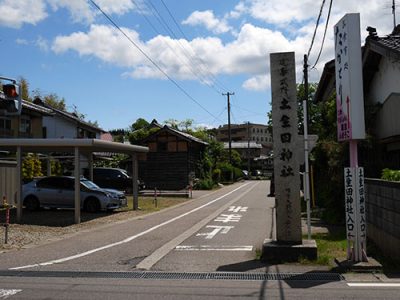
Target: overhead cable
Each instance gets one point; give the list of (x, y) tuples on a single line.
[(151, 60)]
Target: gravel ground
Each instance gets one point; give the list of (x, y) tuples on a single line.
[(45, 226)]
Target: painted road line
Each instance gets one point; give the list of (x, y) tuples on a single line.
[(129, 239), (373, 284), (157, 255), (213, 248), (4, 294)]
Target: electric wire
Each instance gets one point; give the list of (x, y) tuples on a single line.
[(204, 79), (316, 28), (215, 79), (323, 38), (187, 64), (151, 60)]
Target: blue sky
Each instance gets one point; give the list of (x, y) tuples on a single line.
[(69, 48)]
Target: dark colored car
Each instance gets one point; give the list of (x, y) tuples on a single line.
[(113, 178), (59, 192)]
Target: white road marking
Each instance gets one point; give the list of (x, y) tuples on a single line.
[(157, 255), (373, 284), (228, 218), (213, 248), (237, 209), (129, 239), (4, 294), (217, 229)]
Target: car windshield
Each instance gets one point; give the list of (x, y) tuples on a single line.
[(89, 184)]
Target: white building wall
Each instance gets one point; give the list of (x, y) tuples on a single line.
[(59, 128), (385, 82)]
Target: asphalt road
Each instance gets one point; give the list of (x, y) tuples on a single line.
[(221, 231)]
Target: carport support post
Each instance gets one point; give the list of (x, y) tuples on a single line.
[(90, 167), (19, 184), (77, 187), (135, 182), (48, 161)]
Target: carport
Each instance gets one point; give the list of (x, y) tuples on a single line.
[(77, 147)]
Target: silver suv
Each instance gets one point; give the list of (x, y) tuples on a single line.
[(58, 192)]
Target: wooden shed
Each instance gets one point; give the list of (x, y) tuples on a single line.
[(173, 158)]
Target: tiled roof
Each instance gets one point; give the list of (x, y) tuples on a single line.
[(391, 41), (36, 108)]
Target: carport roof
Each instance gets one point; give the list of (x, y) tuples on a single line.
[(67, 145)]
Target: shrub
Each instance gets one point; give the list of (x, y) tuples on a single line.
[(204, 184), (31, 168), (390, 175)]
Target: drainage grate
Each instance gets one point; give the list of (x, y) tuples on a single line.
[(314, 276)]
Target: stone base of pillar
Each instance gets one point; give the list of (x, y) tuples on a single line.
[(273, 251)]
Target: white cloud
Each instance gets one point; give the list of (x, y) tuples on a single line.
[(20, 41), (42, 43), (207, 19), (247, 54), (80, 11), (257, 83), (15, 13)]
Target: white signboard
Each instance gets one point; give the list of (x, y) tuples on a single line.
[(362, 223), (350, 203), (349, 83), (356, 225)]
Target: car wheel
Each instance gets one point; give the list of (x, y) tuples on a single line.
[(92, 205), (31, 203)]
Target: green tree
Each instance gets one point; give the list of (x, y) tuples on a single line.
[(24, 84), (140, 123)]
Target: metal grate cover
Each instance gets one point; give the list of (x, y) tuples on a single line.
[(314, 276)]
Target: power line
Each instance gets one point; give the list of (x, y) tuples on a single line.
[(215, 79), (316, 28), (188, 63), (189, 57), (150, 59), (323, 39)]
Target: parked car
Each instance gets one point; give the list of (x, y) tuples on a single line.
[(256, 174), (58, 192), (113, 178)]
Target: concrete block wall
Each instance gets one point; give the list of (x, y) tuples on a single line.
[(383, 215)]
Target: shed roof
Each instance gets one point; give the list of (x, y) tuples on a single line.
[(66, 145)]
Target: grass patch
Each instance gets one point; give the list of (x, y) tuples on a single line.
[(147, 204), (330, 246)]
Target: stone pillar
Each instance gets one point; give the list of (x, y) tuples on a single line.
[(285, 132)]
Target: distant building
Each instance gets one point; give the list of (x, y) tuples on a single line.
[(256, 133), (64, 124), (173, 158), (28, 125)]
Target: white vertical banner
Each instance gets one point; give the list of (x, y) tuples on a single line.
[(349, 81), (350, 203), (362, 223)]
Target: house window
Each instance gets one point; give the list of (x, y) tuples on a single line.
[(25, 125), (5, 124), (162, 146)]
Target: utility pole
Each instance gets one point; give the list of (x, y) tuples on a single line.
[(306, 122), (394, 13), (305, 72), (248, 148), (229, 125)]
